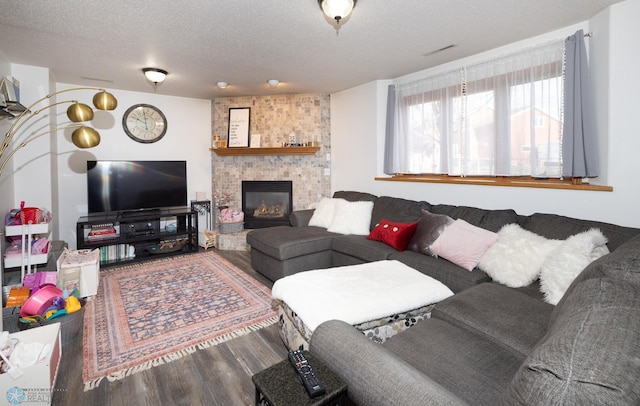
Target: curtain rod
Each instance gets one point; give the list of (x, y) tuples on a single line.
[(456, 71)]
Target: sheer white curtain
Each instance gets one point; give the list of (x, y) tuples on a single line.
[(419, 145), (499, 117)]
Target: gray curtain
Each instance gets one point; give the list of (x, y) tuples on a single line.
[(389, 136), (579, 144)]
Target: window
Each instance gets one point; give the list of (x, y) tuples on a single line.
[(498, 118)]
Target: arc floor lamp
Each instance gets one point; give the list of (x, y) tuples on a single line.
[(83, 136)]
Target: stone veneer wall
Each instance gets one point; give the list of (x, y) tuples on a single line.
[(275, 117)]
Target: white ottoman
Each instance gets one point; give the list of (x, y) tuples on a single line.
[(379, 298)]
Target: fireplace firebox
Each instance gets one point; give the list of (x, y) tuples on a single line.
[(266, 203)]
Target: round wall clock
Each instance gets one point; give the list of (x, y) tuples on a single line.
[(144, 123)]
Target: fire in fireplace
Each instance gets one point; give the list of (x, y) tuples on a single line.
[(266, 203)]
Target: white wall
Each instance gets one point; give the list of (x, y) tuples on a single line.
[(623, 124), (357, 126), (6, 181), (188, 138), (354, 136), (32, 165)]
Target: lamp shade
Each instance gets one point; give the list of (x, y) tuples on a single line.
[(79, 112), (155, 75), (337, 9), (85, 137), (105, 101)]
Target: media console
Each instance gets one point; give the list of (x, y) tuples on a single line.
[(139, 235)]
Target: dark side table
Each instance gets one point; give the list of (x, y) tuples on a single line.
[(279, 385)]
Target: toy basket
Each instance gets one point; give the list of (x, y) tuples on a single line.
[(30, 215), (70, 325), (230, 228)]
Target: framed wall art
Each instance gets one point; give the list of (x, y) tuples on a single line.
[(239, 120), (255, 141)]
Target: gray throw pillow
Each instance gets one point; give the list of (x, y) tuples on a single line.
[(429, 229), (590, 353)]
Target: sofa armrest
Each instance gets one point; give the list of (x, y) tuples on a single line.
[(300, 218), (375, 375)]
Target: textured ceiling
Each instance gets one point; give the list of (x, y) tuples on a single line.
[(246, 42)]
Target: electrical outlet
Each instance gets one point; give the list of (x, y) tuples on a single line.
[(327, 171)]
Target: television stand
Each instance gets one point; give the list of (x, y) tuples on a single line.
[(136, 213), (140, 235)]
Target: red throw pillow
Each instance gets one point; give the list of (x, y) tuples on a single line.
[(396, 235)]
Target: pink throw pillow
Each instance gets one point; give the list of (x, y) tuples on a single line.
[(463, 244)]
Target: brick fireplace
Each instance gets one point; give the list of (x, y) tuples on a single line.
[(275, 117)]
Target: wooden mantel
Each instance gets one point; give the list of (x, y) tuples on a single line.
[(265, 151)]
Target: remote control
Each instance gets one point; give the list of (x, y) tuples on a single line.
[(311, 382)]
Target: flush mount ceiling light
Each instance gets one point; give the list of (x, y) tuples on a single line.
[(222, 85), (155, 75), (273, 82), (337, 10)]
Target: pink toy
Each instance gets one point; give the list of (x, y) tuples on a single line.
[(40, 301)]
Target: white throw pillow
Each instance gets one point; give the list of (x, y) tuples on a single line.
[(567, 261), (351, 218), (323, 214), (516, 258)]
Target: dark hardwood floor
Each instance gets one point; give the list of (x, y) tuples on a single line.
[(220, 375)]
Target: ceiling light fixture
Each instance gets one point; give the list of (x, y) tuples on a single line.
[(273, 82), (222, 85), (155, 75), (337, 10)]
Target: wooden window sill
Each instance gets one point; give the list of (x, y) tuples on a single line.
[(500, 181)]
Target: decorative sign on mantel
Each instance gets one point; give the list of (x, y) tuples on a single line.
[(239, 126), (255, 141)]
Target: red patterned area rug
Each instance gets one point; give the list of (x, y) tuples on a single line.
[(148, 314)]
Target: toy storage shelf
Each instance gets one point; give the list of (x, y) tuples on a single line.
[(27, 232)]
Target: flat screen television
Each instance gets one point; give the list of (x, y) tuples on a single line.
[(124, 186)]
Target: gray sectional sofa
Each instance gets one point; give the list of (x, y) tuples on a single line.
[(280, 251), (488, 344), (492, 345)]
